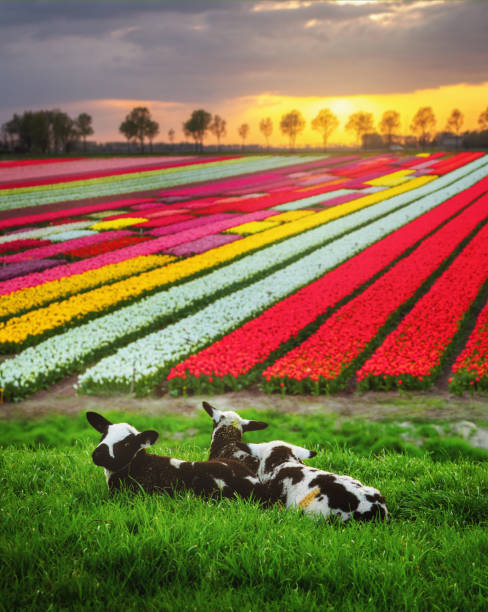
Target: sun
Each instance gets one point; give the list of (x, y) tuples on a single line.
[(342, 107)]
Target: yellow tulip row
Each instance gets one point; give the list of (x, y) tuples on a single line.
[(116, 224), (18, 329), (33, 297)]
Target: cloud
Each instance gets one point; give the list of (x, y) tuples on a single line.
[(203, 52)]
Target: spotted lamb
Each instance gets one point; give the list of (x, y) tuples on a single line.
[(121, 452), (315, 491), (227, 443)]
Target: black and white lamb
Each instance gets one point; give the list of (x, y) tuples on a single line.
[(315, 491), (227, 443), (122, 453)]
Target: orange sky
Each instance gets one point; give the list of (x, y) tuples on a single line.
[(470, 99)]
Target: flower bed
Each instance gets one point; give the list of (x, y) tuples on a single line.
[(156, 353), (159, 317), (26, 328)]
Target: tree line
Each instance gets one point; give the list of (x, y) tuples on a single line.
[(54, 131), (139, 125), (46, 131)]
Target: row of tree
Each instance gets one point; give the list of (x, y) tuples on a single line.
[(139, 125), (54, 131), (46, 131)]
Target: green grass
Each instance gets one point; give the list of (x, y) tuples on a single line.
[(65, 544)]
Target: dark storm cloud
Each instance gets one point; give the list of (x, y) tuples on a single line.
[(199, 51)]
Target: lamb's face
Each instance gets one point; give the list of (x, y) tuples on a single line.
[(119, 444), (231, 419)]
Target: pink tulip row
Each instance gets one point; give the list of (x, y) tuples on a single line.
[(202, 244), (329, 355), (412, 355), (245, 349), (192, 223)]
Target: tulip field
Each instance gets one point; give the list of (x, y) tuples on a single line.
[(297, 273)]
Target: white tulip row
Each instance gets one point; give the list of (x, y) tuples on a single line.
[(44, 232), (144, 362), (151, 180), (70, 235), (71, 350)]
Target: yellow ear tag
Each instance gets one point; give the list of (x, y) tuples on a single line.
[(236, 424), (308, 499)]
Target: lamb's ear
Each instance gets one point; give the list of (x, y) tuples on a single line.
[(147, 438), (212, 412), (99, 422), (302, 453), (253, 425)]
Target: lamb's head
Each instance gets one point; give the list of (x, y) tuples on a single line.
[(230, 422), (273, 454), (120, 442)]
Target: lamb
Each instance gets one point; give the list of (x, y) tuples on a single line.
[(122, 453), (228, 428), (314, 491)]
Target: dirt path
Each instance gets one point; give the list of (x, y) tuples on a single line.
[(62, 398)]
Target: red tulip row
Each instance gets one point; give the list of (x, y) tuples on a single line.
[(452, 163), (470, 370), (106, 247), (413, 354), (328, 357), (238, 357), (25, 243)]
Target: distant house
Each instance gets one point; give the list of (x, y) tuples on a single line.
[(448, 140)]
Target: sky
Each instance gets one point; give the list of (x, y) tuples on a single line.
[(244, 60)]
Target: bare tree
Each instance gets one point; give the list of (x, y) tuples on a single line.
[(266, 128), (483, 120), (243, 132), (325, 123), (218, 127), (423, 124), (291, 125), (389, 124), (361, 123)]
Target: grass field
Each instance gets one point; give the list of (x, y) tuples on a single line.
[(65, 544)]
